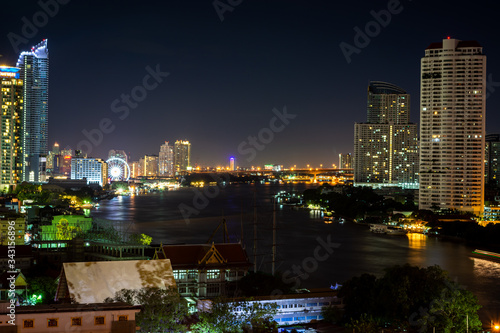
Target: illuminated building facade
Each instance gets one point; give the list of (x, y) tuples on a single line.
[(94, 170), (492, 160), (166, 160), (345, 161), (11, 102), (452, 120), (134, 169), (386, 148), (118, 154), (149, 166), (34, 66), (182, 155), (232, 163)]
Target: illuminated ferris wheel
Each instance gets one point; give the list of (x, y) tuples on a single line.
[(118, 169)]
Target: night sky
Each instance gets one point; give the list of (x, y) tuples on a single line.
[(226, 76)]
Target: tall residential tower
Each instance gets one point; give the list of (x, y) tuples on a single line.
[(452, 120), (166, 160), (182, 155), (386, 147), (11, 103), (34, 66)]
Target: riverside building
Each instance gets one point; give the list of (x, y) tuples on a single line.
[(11, 103), (452, 120), (386, 146)]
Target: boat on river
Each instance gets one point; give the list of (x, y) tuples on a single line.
[(387, 229), (486, 255)]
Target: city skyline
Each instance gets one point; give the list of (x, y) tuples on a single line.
[(224, 80)]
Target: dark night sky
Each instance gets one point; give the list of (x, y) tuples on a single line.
[(227, 76)]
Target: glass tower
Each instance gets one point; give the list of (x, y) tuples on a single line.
[(34, 65)]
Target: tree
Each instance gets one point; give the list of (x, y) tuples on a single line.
[(332, 314), (41, 289), (141, 239), (236, 317), (365, 324), (163, 310), (454, 311), (411, 296), (218, 318)]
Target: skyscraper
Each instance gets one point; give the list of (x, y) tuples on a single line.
[(492, 160), (232, 163), (345, 161), (452, 120), (11, 104), (34, 66), (386, 147), (149, 166), (166, 160), (118, 154), (182, 155)]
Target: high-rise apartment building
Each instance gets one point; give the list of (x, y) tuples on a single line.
[(135, 170), (166, 160), (34, 65), (149, 166), (386, 147), (345, 161), (118, 154), (452, 120), (182, 155), (11, 103), (492, 160), (94, 170)]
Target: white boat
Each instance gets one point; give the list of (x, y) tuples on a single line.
[(396, 231), (378, 228)]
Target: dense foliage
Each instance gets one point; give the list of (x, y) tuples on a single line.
[(163, 310), (356, 202), (409, 297)]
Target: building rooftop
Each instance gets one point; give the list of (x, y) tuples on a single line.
[(461, 44), (51, 308)]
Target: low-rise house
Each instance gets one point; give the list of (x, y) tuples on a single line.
[(16, 279), (206, 270), (95, 317)]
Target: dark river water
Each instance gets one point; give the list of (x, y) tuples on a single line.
[(309, 252)]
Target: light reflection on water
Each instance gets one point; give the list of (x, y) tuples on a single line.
[(486, 268), (360, 251), (416, 241)]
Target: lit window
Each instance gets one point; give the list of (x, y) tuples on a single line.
[(123, 318), (51, 322)]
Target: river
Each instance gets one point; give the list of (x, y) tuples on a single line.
[(299, 233)]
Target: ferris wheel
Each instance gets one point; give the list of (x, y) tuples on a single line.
[(118, 169)]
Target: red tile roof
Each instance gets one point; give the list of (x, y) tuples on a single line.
[(191, 254)]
